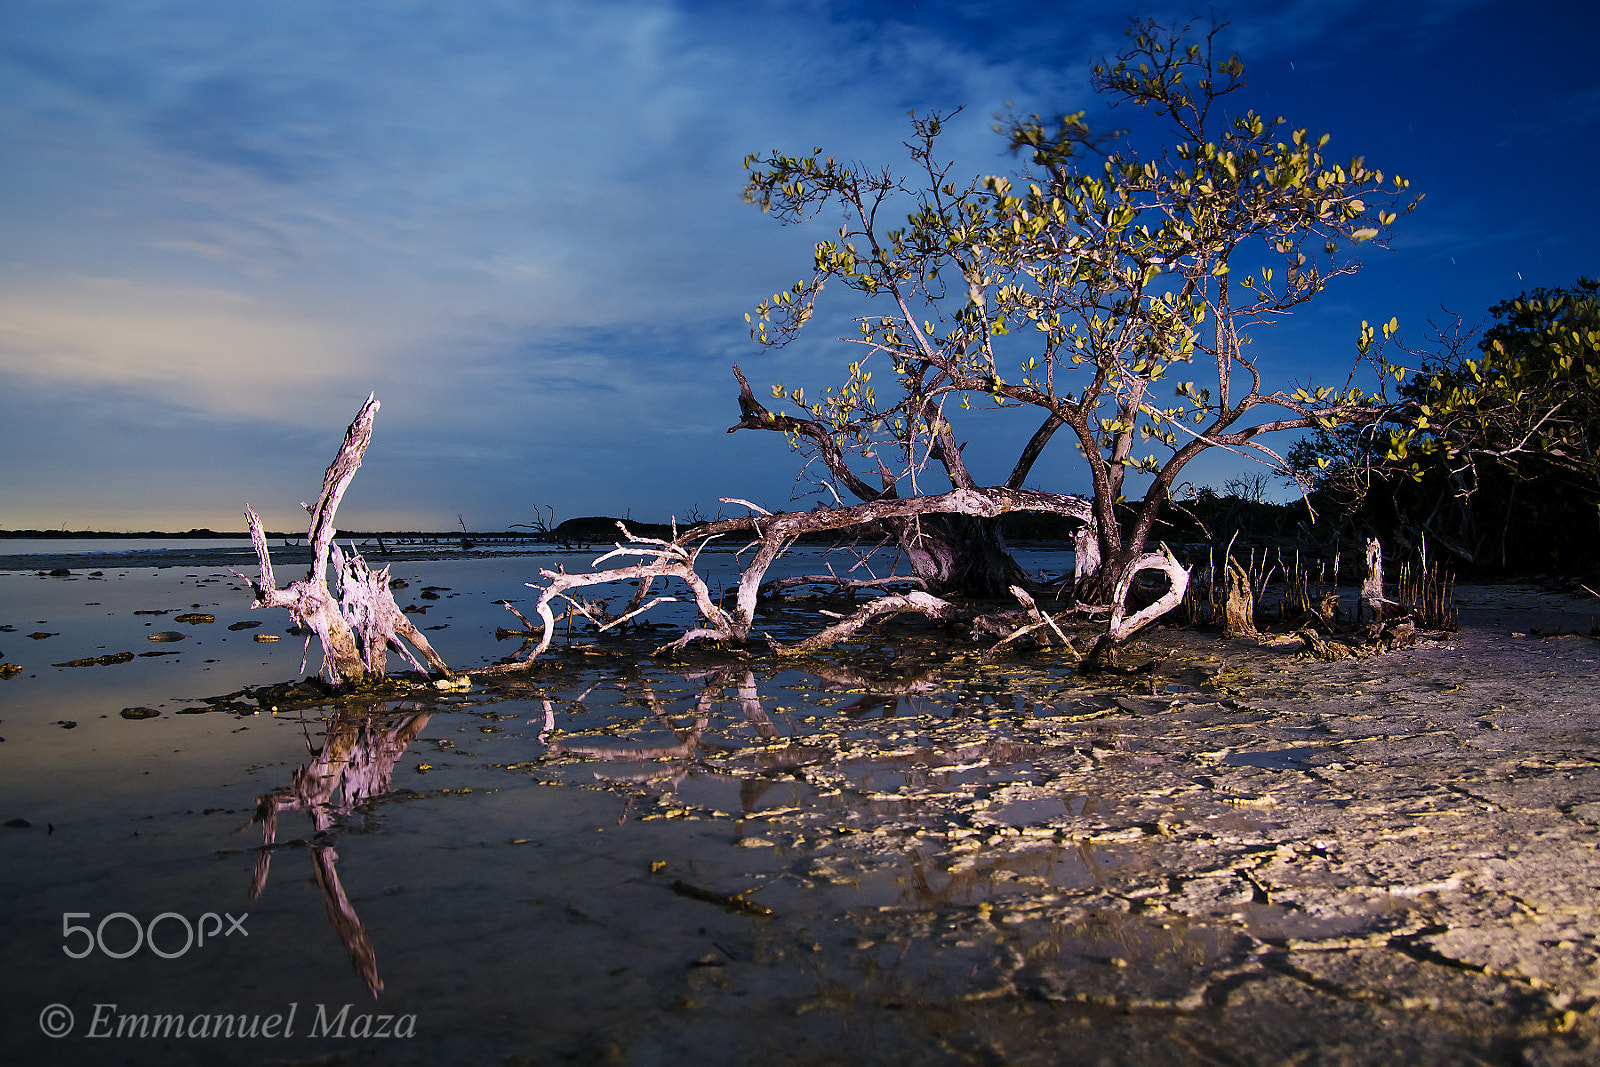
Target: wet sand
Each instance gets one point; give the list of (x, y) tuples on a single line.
[(886, 855)]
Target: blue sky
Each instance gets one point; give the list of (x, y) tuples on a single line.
[(519, 223)]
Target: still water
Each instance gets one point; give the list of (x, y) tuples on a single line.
[(612, 857)]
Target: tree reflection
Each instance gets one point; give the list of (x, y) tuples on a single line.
[(695, 740), (355, 763)]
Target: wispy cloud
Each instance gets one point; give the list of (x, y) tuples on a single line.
[(428, 169), (217, 351)]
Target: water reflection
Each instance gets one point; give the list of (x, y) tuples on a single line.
[(355, 764), (985, 816), (933, 882), (724, 738)]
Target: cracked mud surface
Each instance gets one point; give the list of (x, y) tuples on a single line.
[(1384, 860)]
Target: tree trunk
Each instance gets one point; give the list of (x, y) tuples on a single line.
[(369, 607), (955, 554), (959, 555)]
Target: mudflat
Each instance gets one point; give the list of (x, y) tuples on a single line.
[(1258, 858), (897, 852), (1372, 861)]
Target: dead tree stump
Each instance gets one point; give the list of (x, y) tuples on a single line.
[(1238, 606), (1122, 626), (1372, 587), (358, 625)]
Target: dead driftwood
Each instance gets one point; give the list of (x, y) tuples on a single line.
[(1238, 605), (1123, 626), (361, 622), (358, 622), (1372, 596), (775, 533), (1384, 636)]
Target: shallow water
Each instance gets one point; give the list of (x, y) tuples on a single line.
[(892, 853), (140, 817)]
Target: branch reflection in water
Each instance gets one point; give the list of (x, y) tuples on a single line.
[(867, 694), (355, 763)]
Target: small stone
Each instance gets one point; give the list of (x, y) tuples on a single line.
[(139, 713), (168, 635), (264, 638), (194, 618)]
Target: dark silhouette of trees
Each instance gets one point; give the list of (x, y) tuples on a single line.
[(1490, 449)]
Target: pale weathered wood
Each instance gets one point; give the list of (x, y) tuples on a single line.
[(1372, 596), (357, 626), (1239, 601), (774, 533), (1121, 627), (1085, 553), (915, 602), (369, 607), (1039, 621)]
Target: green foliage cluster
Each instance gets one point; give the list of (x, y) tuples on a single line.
[(1529, 400)]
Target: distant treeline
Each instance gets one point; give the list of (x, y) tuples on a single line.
[(594, 528), (1547, 534), (244, 535), (107, 534)]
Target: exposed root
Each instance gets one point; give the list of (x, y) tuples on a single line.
[(916, 602)]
